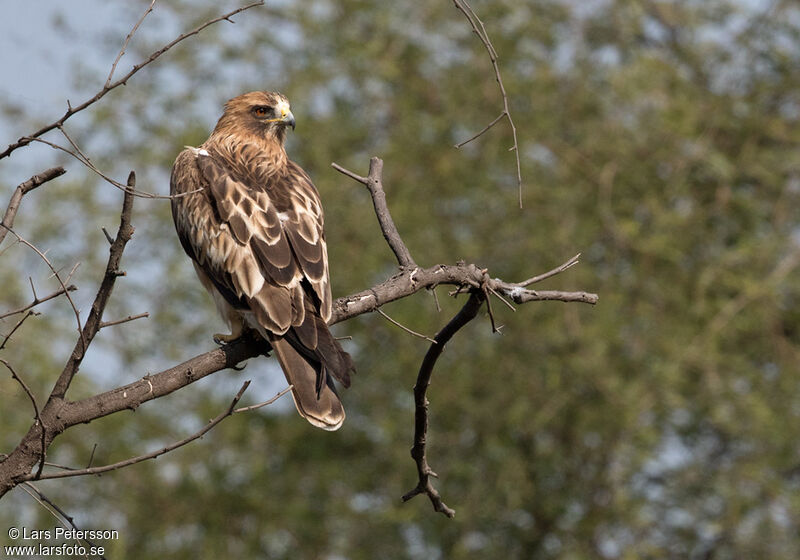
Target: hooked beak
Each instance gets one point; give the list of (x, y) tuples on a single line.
[(285, 115), (288, 119)]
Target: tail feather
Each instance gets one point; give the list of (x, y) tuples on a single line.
[(312, 388), (313, 339), (324, 348)]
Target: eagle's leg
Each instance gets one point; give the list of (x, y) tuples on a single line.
[(237, 330)]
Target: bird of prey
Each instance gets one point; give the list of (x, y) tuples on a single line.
[(252, 223)]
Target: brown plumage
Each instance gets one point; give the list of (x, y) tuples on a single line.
[(254, 231)]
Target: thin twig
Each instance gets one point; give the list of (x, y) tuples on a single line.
[(432, 290), (418, 451), (91, 456), (480, 31), (501, 298), (56, 275), (24, 141), (557, 270), (483, 131), (84, 160), (265, 403), (405, 328), (127, 40), (104, 324), (22, 190), (38, 300), (55, 511), (37, 415), (489, 309), (152, 455), (24, 318)]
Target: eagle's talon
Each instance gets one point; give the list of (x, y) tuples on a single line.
[(223, 339)]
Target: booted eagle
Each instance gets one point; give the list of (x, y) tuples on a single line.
[(253, 227)]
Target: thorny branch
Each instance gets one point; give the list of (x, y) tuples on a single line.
[(25, 140), (479, 30), (78, 154), (56, 511), (94, 320), (37, 300), (128, 40), (56, 274), (128, 319), (407, 282), (152, 455)]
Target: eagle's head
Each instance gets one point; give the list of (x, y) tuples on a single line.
[(264, 114)]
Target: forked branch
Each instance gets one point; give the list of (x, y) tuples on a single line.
[(418, 451)]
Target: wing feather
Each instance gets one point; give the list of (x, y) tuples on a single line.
[(256, 242)]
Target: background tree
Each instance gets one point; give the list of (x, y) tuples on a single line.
[(659, 139)]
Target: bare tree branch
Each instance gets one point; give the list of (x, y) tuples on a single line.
[(374, 182), (59, 413), (37, 300), (7, 337), (557, 270), (22, 190), (53, 508), (38, 417), (479, 30), (405, 328), (93, 321), (63, 282), (464, 316), (152, 455), (25, 140), (129, 318), (265, 403), (78, 154), (128, 40)]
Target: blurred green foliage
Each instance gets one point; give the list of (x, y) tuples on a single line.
[(658, 138)]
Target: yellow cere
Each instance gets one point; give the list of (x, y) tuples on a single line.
[(282, 108)]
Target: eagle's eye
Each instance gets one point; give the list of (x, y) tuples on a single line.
[(261, 111)]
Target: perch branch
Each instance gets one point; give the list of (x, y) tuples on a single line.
[(464, 316), (59, 413)]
